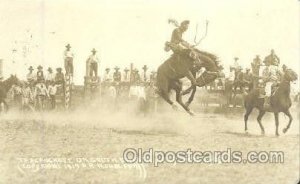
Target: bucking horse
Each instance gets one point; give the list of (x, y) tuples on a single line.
[(185, 64), (280, 101)]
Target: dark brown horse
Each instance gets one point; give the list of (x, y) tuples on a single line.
[(280, 102), (211, 66), (179, 66), (5, 87)]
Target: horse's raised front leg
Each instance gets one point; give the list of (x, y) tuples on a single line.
[(178, 87), (276, 123), (290, 121), (191, 98), (259, 117)]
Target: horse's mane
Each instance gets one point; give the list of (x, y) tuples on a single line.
[(207, 54)]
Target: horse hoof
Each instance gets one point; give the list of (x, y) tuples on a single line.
[(277, 134), (191, 113), (262, 132), (246, 132), (175, 107), (284, 130)]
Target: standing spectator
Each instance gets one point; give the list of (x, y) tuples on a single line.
[(236, 64), (248, 78), (145, 77), (272, 59), (126, 75), (117, 75), (40, 74), (256, 64), (31, 76), (59, 76), (27, 97), (41, 94), (68, 60), (107, 76), (92, 62), (50, 76), (52, 92)]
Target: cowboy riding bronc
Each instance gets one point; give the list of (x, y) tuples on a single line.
[(185, 61), (177, 44)]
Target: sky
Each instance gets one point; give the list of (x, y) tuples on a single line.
[(134, 31)]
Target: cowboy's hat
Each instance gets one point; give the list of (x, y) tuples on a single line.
[(116, 68), (30, 68), (68, 46), (94, 50), (236, 58), (145, 67), (106, 69), (49, 69), (126, 69), (58, 69), (39, 67)]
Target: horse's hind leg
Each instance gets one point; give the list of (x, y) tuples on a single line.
[(276, 123), (248, 112), (259, 117), (166, 97), (290, 121)]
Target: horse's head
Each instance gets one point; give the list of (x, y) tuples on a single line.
[(12, 80), (290, 75), (190, 57)]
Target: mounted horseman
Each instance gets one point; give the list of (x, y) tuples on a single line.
[(185, 61), (278, 101), (5, 86)]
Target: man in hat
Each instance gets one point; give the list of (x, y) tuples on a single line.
[(239, 80), (30, 76), (272, 59), (68, 60), (59, 76), (136, 76), (50, 76), (27, 97), (271, 76), (92, 62), (117, 75), (176, 43), (145, 68), (107, 75), (40, 74), (126, 75), (256, 63), (236, 64), (153, 76), (248, 79), (41, 94)]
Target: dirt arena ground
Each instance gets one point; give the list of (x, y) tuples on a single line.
[(100, 134)]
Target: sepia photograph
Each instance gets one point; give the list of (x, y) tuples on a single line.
[(158, 92)]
